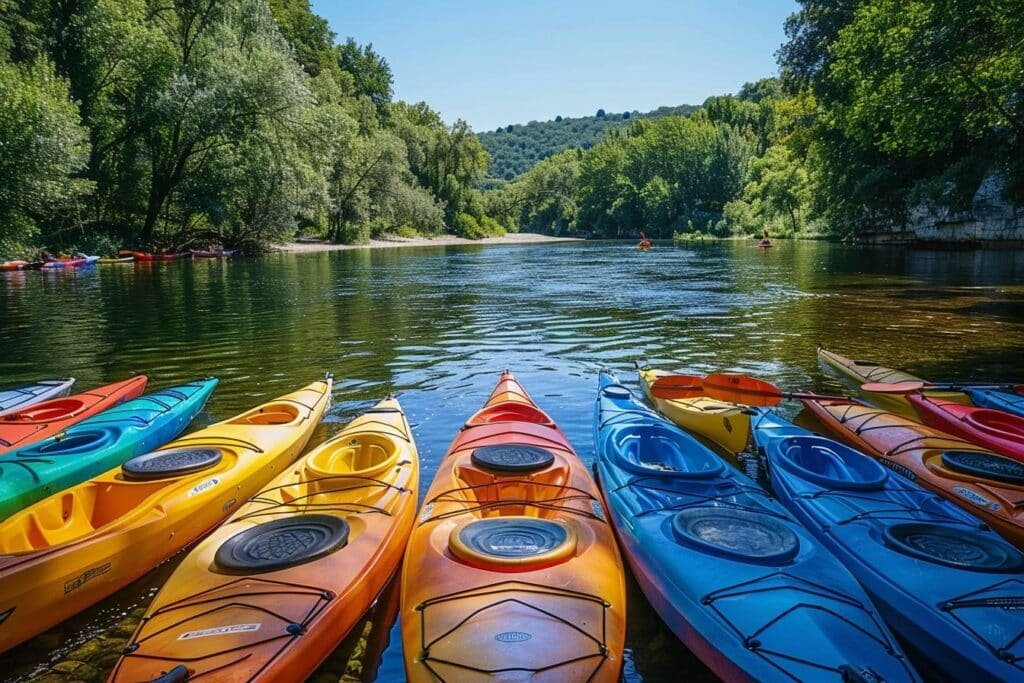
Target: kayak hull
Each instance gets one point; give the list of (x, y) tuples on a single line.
[(97, 444), (921, 454), (19, 398), (49, 576), (379, 501), (45, 419), (856, 508), (727, 424), (860, 372), (512, 572), (779, 609)]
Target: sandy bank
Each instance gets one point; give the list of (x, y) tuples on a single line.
[(388, 242)]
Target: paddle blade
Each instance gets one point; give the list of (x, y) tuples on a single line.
[(741, 389), (893, 388), (677, 386)]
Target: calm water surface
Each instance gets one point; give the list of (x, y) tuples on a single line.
[(436, 325)]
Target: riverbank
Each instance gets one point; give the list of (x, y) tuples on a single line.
[(392, 241)]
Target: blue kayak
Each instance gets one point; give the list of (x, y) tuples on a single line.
[(948, 585), (997, 400), (728, 569), (98, 444), (19, 398)]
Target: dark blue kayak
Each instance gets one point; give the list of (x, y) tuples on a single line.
[(997, 400), (949, 586), (94, 446), (728, 569)]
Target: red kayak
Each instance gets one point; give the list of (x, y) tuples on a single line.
[(994, 429), (765, 244), (13, 265), (45, 419), (146, 256)]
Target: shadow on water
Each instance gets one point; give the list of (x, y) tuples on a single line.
[(435, 325)]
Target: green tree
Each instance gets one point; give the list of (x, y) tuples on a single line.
[(43, 148)]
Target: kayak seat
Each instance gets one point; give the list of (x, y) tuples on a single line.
[(831, 465), (510, 412), (738, 535), (270, 414), (281, 543), (998, 423), (512, 458), (513, 542), (50, 411), (655, 450), (173, 462), (985, 466), (953, 547), (351, 463)]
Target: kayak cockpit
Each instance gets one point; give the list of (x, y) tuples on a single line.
[(277, 413), (829, 464), (654, 450)]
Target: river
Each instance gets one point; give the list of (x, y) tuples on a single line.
[(436, 325)]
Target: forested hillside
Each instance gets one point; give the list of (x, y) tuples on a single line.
[(177, 123), (516, 147), (885, 111)]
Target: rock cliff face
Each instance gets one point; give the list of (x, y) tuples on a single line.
[(991, 220)]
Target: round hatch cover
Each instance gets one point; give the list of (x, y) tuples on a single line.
[(737, 534), (170, 463), (513, 458), (985, 465), (512, 540), (953, 547), (282, 543)]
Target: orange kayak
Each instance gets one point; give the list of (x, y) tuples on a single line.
[(986, 484), (68, 551), (512, 572), (270, 594), (51, 417)]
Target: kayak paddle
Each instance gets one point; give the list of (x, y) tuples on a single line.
[(920, 385), (677, 386), (751, 391)]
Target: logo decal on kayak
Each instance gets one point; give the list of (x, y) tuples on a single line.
[(87, 575), (598, 510), (427, 509), (728, 424), (900, 469), (975, 497), (203, 486), (219, 631), (512, 637)]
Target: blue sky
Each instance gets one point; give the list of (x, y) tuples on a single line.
[(493, 63)]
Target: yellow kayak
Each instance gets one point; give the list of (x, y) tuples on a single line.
[(76, 547), (862, 372), (727, 424), (352, 500)]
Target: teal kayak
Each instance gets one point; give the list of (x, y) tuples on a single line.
[(96, 445), (738, 580)]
